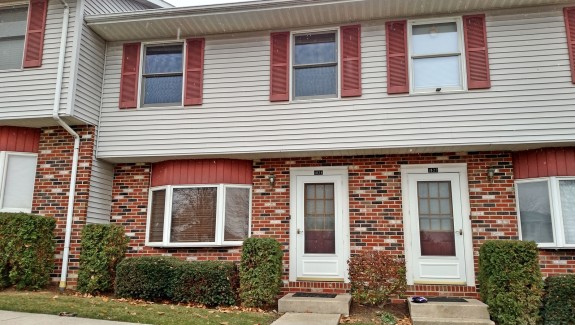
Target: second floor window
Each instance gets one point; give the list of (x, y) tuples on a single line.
[(12, 35), (315, 66), (436, 57), (162, 75)]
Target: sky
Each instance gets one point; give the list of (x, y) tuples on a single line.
[(184, 3)]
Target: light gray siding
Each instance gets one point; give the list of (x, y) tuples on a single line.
[(100, 199), (532, 100), (96, 7), (29, 93), (91, 59)]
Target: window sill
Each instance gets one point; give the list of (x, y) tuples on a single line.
[(195, 245), (12, 70), (443, 92), (318, 99), (555, 247)]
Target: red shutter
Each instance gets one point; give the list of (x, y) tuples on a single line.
[(570, 27), (279, 70), (476, 52), (397, 61), (351, 61), (194, 71), (35, 33), (130, 76)]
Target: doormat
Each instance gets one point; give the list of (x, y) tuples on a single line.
[(446, 299), (314, 295)]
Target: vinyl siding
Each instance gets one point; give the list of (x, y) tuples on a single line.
[(29, 93), (531, 100), (91, 59), (100, 199)]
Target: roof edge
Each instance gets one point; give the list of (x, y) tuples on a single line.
[(169, 12), (156, 4)]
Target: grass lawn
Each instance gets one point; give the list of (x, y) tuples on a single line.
[(47, 302)]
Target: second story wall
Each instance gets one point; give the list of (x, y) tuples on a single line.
[(91, 59), (29, 92), (531, 100)]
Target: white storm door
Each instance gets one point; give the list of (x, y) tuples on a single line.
[(437, 228), (319, 229)]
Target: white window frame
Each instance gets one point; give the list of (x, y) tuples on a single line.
[(463, 69), (293, 34), (15, 5), (143, 47), (220, 216), (555, 207), (4, 157)]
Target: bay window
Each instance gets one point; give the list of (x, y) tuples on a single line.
[(547, 211), (199, 215), (18, 172)]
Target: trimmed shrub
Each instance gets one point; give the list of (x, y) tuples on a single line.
[(260, 272), (211, 283), (103, 247), (375, 276), (148, 277), (559, 300), (510, 281), (26, 250)]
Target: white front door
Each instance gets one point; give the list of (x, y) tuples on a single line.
[(437, 226), (319, 229)]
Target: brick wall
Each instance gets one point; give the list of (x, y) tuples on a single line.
[(53, 184), (375, 209)]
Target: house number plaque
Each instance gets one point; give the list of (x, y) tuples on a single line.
[(318, 172), (433, 170)]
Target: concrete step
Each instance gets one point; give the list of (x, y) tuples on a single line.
[(307, 319), (449, 321), (338, 305), (472, 309)]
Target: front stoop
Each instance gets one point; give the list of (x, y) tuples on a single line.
[(339, 305), (472, 312)]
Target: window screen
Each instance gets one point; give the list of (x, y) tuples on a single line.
[(163, 75), (535, 211), (12, 34), (19, 182), (315, 65)]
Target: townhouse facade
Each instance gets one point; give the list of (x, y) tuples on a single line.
[(50, 86), (417, 128)]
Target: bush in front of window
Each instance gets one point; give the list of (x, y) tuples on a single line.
[(375, 276), (510, 281), (147, 277), (103, 247), (26, 250), (212, 283), (559, 300), (260, 272)]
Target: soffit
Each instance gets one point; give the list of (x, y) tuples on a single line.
[(280, 14)]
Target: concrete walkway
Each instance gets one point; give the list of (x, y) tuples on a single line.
[(307, 319), (14, 318)]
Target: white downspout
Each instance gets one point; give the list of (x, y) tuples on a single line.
[(56, 116)]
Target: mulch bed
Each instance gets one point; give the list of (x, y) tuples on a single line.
[(371, 314)]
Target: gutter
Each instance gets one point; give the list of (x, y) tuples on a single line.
[(56, 117)]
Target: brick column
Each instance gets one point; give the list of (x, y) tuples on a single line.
[(52, 186)]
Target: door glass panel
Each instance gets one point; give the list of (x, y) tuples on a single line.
[(319, 219), (436, 232)]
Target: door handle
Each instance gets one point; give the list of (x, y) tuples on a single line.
[(460, 232), (298, 231)]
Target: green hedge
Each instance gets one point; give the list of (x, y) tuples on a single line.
[(148, 277), (260, 272), (103, 247), (26, 250), (510, 281), (155, 278), (207, 282), (559, 300)]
